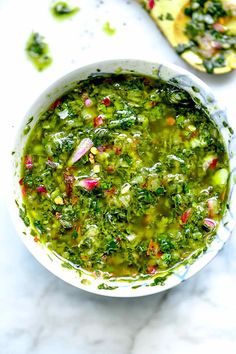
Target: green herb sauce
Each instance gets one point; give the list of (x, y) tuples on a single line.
[(61, 10), (38, 52), (108, 29), (208, 33), (125, 176)]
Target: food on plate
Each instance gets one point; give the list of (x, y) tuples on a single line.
[(203, 32)]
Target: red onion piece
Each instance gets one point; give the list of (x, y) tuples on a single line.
[(41, 189), (101, 148), (88, 102), (28, 162), (218, 27), (216, 45), (210, 223), (88, 183), (83, 147)]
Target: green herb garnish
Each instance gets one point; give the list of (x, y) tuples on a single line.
[(62, 10), (38, 52), (110, 31)]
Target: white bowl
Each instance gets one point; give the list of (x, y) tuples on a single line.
[(82, 279)]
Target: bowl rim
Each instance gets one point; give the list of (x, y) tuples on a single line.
[(38, 106)]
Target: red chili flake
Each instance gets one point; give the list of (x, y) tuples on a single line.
[(151, 4), (117, 150), (55, 104), (110, 192), (213, 164), (194, 134), (97, 121), (41, 189), (151, 269), (69, 181), (21, 181), (110, 169), (36, 239), (28, 162), (186, 215), (153, 248), (106, 101)]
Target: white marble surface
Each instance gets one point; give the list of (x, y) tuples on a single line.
[(39, 314)]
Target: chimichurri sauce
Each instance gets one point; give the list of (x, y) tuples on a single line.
[(37, 51), (61, 10), (124, 176)]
